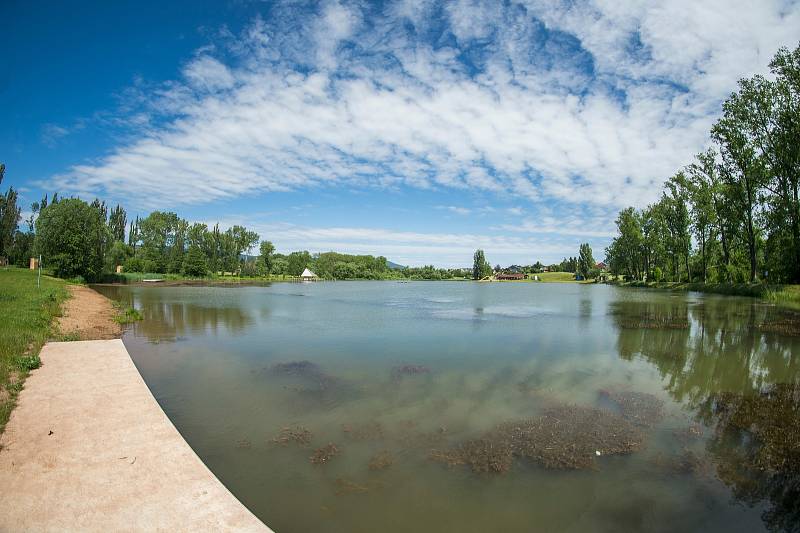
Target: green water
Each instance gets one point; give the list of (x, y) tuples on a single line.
[(491, 353)]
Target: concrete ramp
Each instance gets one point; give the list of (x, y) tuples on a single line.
[(89, 449)]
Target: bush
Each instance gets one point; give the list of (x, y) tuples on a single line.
[(658, 274)]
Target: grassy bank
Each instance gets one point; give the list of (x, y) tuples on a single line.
[(787, 295), (27, 323), (556, 277)]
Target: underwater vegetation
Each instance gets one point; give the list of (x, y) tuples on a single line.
[(653, 321), (639, 407), (756, 450), (298, 435), (324, 454), (563, 437), (307, 371), (786, 324), (399, 372), (381, 460), (366, 431), (685, 463)]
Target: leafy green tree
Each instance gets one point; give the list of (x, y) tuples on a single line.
[(297, 262), (195, 264), (625, 251), (157, 235), (10, 215), (69, 235), (586, 261), (673, 206), (480, 266), (117, 254), (266, 249), (117, 221), (742, 169)]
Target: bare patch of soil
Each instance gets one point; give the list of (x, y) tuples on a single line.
[(89, 315)]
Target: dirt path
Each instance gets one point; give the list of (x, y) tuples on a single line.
[(90, 315)]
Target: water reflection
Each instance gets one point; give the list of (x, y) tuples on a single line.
[(731, 362), (756, 448), (168, 319), (389, 372)]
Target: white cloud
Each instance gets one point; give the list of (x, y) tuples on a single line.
[(206, 73), (598, 122)]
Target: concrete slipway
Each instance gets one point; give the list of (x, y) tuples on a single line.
[(89, 449)]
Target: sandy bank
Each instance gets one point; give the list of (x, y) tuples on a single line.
[(89, 315)]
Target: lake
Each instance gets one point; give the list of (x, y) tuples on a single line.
[(460, 406)]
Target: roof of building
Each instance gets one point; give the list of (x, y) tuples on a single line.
[(307, 274)]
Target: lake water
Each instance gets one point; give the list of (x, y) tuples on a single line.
[(698, 397)]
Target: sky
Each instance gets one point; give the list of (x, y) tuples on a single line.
[(417, 130)]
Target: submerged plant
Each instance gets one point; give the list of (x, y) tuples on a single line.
[(307, 371), (401, 371), (324, 454), (367, 431), (639, 407), (563, 437), (297, 435), (381, 460)]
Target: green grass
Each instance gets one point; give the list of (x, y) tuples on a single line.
[(128, 316), (27, 323), (556, 277)]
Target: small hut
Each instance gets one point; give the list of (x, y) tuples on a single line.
[(307, 275)]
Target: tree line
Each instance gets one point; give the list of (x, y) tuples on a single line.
[(91, 240), (733, 214)]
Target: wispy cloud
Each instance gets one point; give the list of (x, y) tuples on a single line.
[(52, 134), (583, 103)]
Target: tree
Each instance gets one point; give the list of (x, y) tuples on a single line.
[(70, 236), (266, 249), (676, 216), (480, 266), (157, 236), (117, 254), (702, 185), (10, 215), (297, 262), (116, 223), (195, 264), (625, 251), (586, 261), (742, 169)]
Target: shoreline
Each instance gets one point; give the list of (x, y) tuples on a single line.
[(782, 295)]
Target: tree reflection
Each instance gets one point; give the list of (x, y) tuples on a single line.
[(171, 320), (756, 447), (738, 373)]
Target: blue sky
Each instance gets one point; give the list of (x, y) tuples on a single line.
[(417, 130)]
